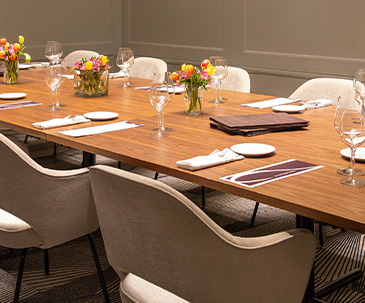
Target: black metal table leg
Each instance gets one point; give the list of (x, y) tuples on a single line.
[(88, 159)]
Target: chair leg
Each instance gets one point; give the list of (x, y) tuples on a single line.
[(54, 149), (254, 213), (156, 176), (26, 139), (203, 197), (98, 267), (320, 231), (20, 275), (46, 262)]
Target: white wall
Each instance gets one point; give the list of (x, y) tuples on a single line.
[(281, 43)]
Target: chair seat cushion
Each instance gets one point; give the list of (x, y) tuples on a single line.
[(134, 289), (15, 233)]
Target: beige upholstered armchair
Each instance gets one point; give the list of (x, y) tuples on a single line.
[(42, 207), (154, 233), (323, 88), (146, 67), (74, 56), (237, 79)]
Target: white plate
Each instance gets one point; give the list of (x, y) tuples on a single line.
[(101, 115), (12, 96), (289, 108), (359, 154), (24, 66), (253, 149)]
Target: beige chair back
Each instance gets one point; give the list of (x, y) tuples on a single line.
[(74, 56), (323, 88), (156, 233), (237, 79), (145, 67), (57, 205)]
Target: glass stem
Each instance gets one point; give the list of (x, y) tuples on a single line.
[(53, 98), (57, 103), (220, 89), (352, 164), (125, 77), (160, 114), (163, 121), (216, 89)]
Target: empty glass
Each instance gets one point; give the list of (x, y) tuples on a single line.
[(221, 72), (171, 90), (125, 60), (359, 87), (212, 61), (345, 102), (63, 73), (53, 51), (53, 80), (353, 134), (159, 96)]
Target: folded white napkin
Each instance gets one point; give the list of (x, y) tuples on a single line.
[(94, 130), (270, 103), (116, 75), (57, 122), (215, 158), (318, 103)]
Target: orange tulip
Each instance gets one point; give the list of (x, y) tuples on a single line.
[(13, 57), (16, 47), (3, 41), (2, 55), (188, 69), (175, 76), (205, 64)]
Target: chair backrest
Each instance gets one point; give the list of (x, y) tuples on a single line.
[(145, 67), (58, 205), (74, 56), (323, 88), (156, 233), (237, 79)]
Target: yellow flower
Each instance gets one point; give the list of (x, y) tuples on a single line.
[(104, 60), (88, 65), (17, 47), (21, 39), (211, 69)]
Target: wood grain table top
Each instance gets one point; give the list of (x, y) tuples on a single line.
[(316, 194)]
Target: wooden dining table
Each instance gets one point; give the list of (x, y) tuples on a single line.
[(316, 195)]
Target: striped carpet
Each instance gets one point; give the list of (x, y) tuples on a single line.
[(73, 276)]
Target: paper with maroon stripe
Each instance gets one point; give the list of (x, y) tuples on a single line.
[(270, 173)]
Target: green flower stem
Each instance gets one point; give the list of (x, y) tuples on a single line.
[(193, 95), (12, 71)]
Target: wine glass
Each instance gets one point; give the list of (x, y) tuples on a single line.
[(344, 102), (212, 61), (53, 51), (221, 72), (53, 80), (352, 131), (171, 90), (125, 60), (63, 73), (159, 97)]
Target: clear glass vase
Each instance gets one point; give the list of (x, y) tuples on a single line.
[(91, 84), (11, 73), (193, 100)]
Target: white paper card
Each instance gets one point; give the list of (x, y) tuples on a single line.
[(270, 103)]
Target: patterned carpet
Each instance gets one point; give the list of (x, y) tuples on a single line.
[(73, 276)]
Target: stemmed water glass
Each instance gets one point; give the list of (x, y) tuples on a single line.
[(221, 72), (359, 87), (212, 61), (171, 90), (53, 80), (53, 51), (159, 96), (352, 131), (63, 73), (125, 60)]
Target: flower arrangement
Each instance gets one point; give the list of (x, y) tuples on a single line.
[(10, 53), (91, 76), (194, 79)]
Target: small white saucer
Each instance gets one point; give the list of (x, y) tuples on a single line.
[(12, 96), (359, 154), (289, 108), (253, 149), (101, 115)]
